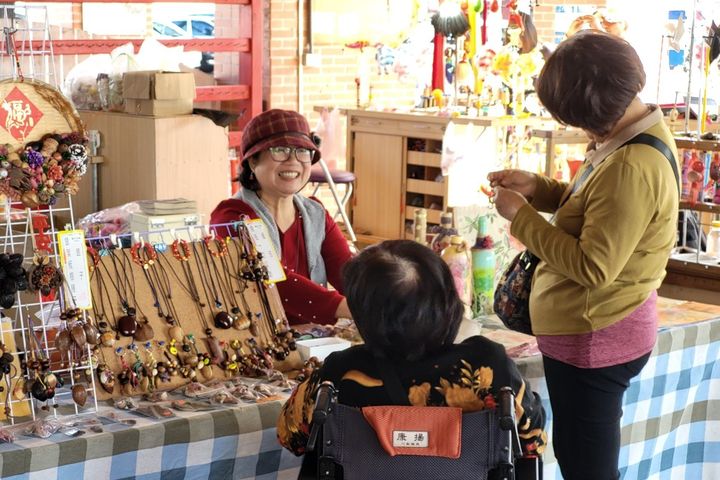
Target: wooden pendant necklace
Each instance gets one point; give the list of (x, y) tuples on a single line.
[(126, 325)]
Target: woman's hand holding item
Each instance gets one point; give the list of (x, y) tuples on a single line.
[(508, 202), (519, 181)]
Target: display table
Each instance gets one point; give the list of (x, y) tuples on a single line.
[(228, 443), (670, 427)]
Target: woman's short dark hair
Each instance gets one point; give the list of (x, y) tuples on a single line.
[(403, 300), (589, 81), (246, 177)]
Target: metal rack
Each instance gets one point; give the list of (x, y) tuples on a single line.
[(17, 238)]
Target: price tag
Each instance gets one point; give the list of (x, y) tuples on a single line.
[(74, 263), (261, 238)]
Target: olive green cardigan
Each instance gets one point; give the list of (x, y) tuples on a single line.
[(609, 244)]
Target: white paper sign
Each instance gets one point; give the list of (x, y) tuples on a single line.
[(261, 237), (73, 260)]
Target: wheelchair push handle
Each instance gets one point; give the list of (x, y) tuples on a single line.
[(325, 398)]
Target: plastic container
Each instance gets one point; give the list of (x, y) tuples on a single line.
[(457, 257), (713, 240), (321, 347)]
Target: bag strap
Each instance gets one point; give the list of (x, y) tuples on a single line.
[(392, 383), (659, 145)]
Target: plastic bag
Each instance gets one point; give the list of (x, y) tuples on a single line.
[(114, 220), (81, 82)]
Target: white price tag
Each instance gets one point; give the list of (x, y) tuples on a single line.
[(74, 262), (261, 237)]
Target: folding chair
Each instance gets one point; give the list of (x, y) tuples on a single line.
[(320, 174), (350, 444)]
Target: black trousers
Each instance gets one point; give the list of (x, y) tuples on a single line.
[(587, 407)]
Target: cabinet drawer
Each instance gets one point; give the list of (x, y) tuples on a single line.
[(426, 186), (424, 158), (379, 125), (433, 216)]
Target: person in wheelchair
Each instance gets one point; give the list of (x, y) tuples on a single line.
[(408, 313)]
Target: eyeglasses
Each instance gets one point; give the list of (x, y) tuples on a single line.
[(281, 154)]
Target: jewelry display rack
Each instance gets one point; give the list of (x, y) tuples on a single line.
[(34, 314), (256, 301)]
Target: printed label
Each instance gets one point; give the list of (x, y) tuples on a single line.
[(410, 439), (74, 262), (261, 237)]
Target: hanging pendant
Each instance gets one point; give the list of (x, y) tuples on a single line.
[(176, 333), (216, 352), (63, 341), (127, 325), (78, 335), (51, 381), (145, 384), (91, 333), (207, 372), (144, 332), (254, 328), (18, 392), (107, 339), (79, 394), (39, 390), (241, 323), (223, 320), (106, 378)]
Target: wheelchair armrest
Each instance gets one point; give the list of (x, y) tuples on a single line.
[(325, 400)]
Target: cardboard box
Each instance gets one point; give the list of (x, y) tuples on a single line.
[(162, 224), (158, 94)]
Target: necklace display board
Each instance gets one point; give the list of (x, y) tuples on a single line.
[(176, 311)]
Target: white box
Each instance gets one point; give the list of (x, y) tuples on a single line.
[(179, 222), (321, 347)]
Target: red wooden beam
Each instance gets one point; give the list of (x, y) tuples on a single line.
[(235, 138), (91, 46), (231, 2), (222, 92)]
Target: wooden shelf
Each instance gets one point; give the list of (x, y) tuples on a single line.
[(425, 159), (694, 144), (426, 187), (562, 136), (700, 206)]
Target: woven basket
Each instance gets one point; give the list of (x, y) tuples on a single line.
[(30, 109)]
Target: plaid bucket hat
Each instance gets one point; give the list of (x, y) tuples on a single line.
[(278, 128)]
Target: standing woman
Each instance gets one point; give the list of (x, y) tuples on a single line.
[(278, 150), (593, 297)]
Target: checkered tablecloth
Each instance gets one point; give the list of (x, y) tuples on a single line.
[(231, 443), (671, 420)]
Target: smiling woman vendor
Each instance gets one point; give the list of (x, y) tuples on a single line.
[(278, 150)]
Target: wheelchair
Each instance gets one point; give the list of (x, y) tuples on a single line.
[(343, 445)]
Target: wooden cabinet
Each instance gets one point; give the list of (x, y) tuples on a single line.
[(157, 158), (378, 186), (396, 158)]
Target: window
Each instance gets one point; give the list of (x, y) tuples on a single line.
[(202, 29)]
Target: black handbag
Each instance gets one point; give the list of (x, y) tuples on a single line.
[(512, 295)]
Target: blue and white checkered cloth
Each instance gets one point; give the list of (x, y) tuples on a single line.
[(671, 419)]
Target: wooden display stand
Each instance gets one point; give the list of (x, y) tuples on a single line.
[(147, 158), (188, 316)]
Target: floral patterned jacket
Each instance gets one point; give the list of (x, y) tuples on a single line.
[(468, 375)]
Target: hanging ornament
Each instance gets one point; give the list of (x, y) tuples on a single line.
[(494, 7)]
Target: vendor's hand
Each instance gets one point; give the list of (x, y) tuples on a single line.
[(508, 202), (520, 181), (343, 311)]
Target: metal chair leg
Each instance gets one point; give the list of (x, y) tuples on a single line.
[(333, 190)]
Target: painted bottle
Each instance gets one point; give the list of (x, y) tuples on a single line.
[(687, 159), (457, 257), (420, 226), (483, 267), (443, 233)]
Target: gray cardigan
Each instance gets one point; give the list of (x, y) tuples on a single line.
[(313, 215)]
